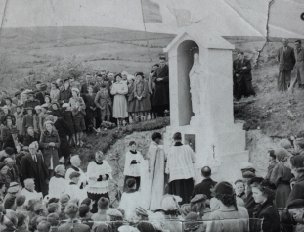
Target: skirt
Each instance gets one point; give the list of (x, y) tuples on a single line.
[(119, 106), (183, 188), (143, 105)]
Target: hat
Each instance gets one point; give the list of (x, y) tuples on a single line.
[(191, 216), (281, 154), (114, 213), (48, 122), (60, 170), (224, 188), (297, 161), (141, 212), (199, 198), (38, 108), (248, 174), (295, 204), (13, 188), (170, 202), (74, 174), (127, 228)]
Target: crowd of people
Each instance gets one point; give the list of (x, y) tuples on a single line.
[(44, 188), (159, 193)]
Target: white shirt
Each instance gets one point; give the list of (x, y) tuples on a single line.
[(129, 202), (54, 189), (180, 163), (30, 195), (75, 192), (133, 169)]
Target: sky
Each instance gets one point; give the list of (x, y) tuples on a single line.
[(227, 17)]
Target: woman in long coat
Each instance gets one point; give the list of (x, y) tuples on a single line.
[(142, 96), (119, 89), (281, 176), (50, 143)]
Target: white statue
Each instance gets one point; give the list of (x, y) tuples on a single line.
[(195, 74)]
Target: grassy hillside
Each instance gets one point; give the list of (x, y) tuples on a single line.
[(41, 52)]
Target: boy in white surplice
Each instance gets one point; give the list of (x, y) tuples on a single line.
[(132, 167), (98, 173)]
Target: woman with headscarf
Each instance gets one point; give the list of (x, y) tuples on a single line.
[(50, 142), (263, 195), (54, 92), (281, 176), (229, 217), (78, 108)]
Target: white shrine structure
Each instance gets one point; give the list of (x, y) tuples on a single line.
[(212, 132)]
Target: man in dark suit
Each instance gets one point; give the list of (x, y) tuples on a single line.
[(160, 98), (206, 184), (242, 77), (286, 60), (33, 166)]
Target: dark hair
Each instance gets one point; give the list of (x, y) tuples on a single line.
[(20, 200), (239, 181), (162, 58), (224, 192), (156, 135), (146, 227), (83, 210), (206, 171), (156, 65), (132, 143), (56, 85), (117, 75), (9, 150), (103, 203), (298, 41), (265, 186), (272, 154), (177, 136), (86, 201)]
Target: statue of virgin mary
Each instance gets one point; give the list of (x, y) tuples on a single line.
[(195, 74)]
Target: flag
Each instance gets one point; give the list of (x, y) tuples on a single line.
[(151, 11)]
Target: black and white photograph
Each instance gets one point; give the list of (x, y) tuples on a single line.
[(151, 116)]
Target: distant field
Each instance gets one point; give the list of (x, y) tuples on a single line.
[(28, 50)]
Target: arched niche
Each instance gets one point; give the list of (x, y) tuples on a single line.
[(185, 61)]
